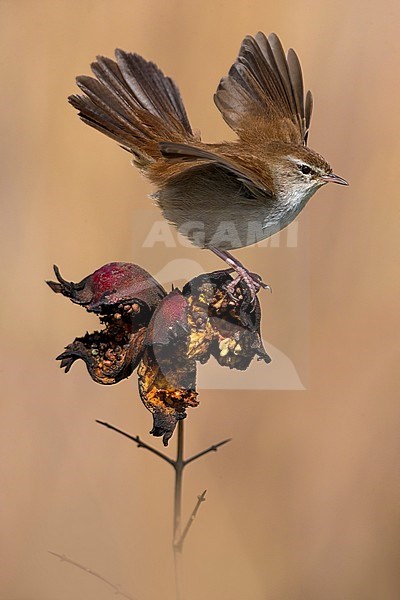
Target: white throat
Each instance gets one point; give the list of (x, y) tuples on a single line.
[(287, 208)]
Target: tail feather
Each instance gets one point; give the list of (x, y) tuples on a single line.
[(98, 119), (103, 102), (134, 103), (144, 79)]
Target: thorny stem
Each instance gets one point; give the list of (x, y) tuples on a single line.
[(178, 464), (177, 548), (139, 442), (212, 448), (200, 499)]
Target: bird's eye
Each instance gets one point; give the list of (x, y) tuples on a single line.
[(305, 169)]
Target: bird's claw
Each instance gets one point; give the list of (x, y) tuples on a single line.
[(253, 283), (258, 281)]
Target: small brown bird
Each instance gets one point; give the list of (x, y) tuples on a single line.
[(221, 196)]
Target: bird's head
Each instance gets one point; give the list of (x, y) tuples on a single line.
[(298, 172)]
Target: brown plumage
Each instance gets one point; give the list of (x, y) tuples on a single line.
[(265, 177)]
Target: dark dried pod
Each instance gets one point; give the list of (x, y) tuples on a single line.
[(223, 325), (109, 356), (190, 326), (167, 376), (114, 283), (124, 296), (164, 335)]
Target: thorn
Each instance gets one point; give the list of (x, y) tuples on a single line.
[(59, 277)]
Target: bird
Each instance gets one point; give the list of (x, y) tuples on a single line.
[(221, 196)]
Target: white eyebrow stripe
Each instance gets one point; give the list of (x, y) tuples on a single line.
[(300, 162)]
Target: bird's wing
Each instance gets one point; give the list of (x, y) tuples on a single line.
[(263, 94), (187, 153)]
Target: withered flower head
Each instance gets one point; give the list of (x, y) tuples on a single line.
[(124, 296), (164, 334), (167, 375), (226, 327)]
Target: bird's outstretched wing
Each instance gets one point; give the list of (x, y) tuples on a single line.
[(263, 94), (196, 156)]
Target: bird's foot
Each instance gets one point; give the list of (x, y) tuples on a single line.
[(252, 281)]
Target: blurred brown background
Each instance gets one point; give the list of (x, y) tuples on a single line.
[(303, 504)]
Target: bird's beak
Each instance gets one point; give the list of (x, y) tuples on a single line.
[(332, 178)]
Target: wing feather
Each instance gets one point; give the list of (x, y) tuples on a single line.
[(265, 84), (186, 152)]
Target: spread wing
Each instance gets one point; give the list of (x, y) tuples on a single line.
[(186, 153), (267, 86)]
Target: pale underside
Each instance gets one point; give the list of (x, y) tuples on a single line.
[(213, 209)]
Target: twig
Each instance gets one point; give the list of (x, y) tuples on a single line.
[(212, 448), (140, 443), (200, 499), (179, 466), (116, 588)]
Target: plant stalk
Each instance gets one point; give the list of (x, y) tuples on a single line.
[(177, 547)]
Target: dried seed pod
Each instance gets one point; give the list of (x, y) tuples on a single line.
[(105, 367), (113, 284), (112, 291), (167, 375), (232, 332), (164, 334)]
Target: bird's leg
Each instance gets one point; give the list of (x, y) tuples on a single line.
[(252, 280)]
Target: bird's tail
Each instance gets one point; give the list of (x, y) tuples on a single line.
[(134, 103)]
